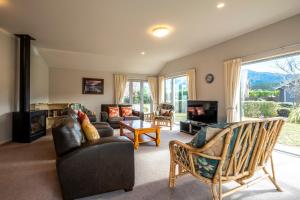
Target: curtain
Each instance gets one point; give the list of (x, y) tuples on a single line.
[(232, 72), (120, 86), (161, 89), (153, 88), (191, 74)]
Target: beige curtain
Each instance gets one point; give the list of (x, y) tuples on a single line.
[(154, 90), (161, 89), (120, 86), (191, 74), (232, 71)]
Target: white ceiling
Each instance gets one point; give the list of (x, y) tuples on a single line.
[(108, 35)]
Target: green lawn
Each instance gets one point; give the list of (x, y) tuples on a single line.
[(290, 135)]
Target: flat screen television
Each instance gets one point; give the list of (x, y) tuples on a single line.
[(202, 111)]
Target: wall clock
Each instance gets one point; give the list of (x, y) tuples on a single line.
[(209, 78)]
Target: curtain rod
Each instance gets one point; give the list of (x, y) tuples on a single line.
[(271, 50)]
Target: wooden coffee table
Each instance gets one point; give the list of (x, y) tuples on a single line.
[(139, 132)]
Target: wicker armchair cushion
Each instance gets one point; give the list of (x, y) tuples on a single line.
[(162, 117), (204, 166)]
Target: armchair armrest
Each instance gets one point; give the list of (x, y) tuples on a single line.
[(102, 166), (103, 116)]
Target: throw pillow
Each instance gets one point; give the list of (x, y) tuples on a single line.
[(200, 111), (205, 166), (90, 130), (113, 112), (82, 116), (126, 111), (165, 112)]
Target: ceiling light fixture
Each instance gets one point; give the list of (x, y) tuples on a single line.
[(161, 31), (220, 5), (143, 53)]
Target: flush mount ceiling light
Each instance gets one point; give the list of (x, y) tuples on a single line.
[(220, 5), (143, 53), (161, 31)]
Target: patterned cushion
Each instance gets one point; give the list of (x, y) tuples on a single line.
[(204, 166), (162, 117), (126, 111), (113, 112), (82, 116), (165, 112), (90, 130)]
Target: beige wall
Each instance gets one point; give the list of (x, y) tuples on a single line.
[(39, 78), (7, 84), (66, 86), (210, 60)]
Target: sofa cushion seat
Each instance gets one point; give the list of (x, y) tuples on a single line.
[(115, 119), (131, 118), (104, 129)]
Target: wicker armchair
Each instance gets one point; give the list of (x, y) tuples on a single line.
[(161, 119), (245, 148)]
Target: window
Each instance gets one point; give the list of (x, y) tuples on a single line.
[(271, 88), (138, 94), (176, 93)]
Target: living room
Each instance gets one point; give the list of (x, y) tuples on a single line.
[(140, 83)]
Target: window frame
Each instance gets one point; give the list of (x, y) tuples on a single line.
[(130, 91)]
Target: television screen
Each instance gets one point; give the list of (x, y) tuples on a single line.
[(203, 111)]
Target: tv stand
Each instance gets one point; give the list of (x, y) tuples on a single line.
[(191, 127)]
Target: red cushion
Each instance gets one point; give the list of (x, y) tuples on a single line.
[(113, 112), (82, 116), (126, 111)]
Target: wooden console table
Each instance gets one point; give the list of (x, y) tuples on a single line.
[(139, 132)]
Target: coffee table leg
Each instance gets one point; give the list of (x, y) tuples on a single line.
[(136, 140), (157, 136), (121, 130)]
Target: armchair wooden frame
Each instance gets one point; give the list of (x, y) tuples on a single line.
[(246, 149), (164, 122), (160, 120)]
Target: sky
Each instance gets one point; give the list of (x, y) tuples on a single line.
[(270, 65)]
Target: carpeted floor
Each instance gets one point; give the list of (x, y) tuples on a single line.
[(27, 171)]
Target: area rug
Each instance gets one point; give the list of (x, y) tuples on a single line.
[(27, 171)]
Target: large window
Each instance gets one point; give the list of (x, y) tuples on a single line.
[(176, 93), (271, 88), (138, 94)]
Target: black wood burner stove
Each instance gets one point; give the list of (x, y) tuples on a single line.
[(27, 125)]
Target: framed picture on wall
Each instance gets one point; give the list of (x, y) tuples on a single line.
[(92, 86)]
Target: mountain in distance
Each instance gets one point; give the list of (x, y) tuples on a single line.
[(265, 80)]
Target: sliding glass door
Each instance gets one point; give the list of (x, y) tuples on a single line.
[(176, 93), (138, 94)]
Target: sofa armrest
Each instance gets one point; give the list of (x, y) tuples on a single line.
[(103, 166), (103, 116), (139, 114)]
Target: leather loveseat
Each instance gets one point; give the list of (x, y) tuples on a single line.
[(115, 121), (89, 168)]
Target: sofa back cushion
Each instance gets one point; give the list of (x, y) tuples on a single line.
[(67, 135)]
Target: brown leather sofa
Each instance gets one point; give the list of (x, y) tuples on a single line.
[(115, 121), (89, 168)]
